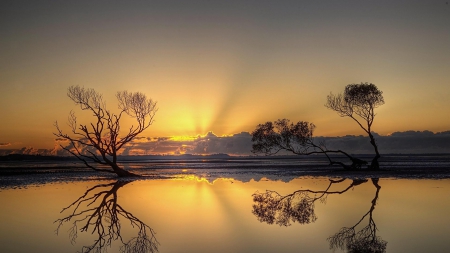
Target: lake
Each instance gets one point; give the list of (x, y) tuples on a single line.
[(227, 205), (190, 213)]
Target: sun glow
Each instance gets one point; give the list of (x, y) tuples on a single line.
[(182, 138), (186, 116)]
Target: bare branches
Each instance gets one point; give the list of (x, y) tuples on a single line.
[(97, 211), (337, 103), (138, 106), (88, 99), (145, 241), (103, 134)]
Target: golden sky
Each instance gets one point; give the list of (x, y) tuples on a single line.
[(223, 66)]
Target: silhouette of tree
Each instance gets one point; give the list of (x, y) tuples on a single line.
[(98, 211), (358, 102), (272, 137), (270, 207), (98, 143), (366, 239)]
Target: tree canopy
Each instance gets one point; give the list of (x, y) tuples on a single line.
[(272, 137), (97, 144), (359, 102)]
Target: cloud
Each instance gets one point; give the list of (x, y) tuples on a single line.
[(397, 142), (413, 134), (5, 144), (241, 144), (26, 151), (237, 144), (62, 144)]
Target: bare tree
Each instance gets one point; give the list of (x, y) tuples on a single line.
[(98, 211), (98, 143), (272, 137), (358, 102)]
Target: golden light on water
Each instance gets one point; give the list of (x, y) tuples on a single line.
[(192, 215), (195, 178)]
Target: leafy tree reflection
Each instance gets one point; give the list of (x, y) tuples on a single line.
[(98, 211), (271, 207), (365, 240)]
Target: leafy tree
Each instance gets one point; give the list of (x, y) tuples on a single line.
[(363, 240), (270, 207), (359, 102), (272, 137), (98, 143)]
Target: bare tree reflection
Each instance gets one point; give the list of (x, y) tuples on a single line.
[(271, 207), (98, 211), (366, 239)]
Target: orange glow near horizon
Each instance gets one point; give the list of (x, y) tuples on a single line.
[(223, 69)]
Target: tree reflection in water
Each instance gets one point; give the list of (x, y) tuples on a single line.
[(98, 211), (271, 207)]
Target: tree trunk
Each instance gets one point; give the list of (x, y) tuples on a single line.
[(374, 165), (356, 163), (121, 172)]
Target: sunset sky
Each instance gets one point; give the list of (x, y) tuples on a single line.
[(223, 66)]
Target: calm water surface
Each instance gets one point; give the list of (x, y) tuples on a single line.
[(192, 214)]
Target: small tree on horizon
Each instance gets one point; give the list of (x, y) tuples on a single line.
[(358, 102), (98, 143)]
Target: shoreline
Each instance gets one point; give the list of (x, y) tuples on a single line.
[(25, 173), (24, 178)]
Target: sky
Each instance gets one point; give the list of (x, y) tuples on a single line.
[(220, 68)]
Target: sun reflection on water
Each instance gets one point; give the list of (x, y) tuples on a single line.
[(191, 177)]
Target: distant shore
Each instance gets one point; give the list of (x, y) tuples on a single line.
[(25, 170)]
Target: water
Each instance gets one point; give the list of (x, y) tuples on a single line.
[(231, 205), (16, 174), (192, 214)]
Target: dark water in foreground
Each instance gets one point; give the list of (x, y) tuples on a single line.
[(227, 206), (24, 173)]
